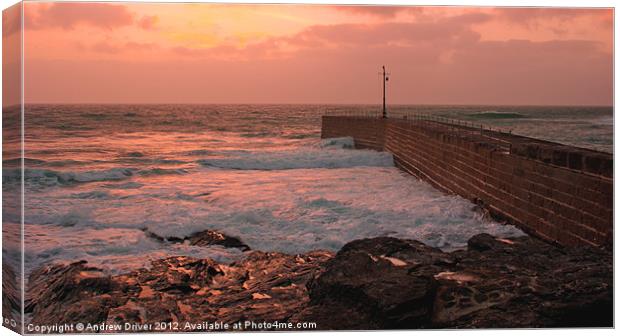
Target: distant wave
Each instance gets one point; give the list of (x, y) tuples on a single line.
[(134, 154), (27, 161), (497, 115), (299, 136), (199, 152), (150, 161), (161, 171), (332, 155), (258, 134), (30, 162), (46, 177), (126, 185), (209, 152), (95, 194), (51, 177)]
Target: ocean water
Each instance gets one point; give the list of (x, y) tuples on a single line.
[(101, 178)]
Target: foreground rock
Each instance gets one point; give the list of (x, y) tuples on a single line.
[(264, 286), (496, 283), (379, 283)]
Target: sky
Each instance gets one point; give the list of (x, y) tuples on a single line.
[(215, 53)]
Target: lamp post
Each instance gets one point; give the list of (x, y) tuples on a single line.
[(385, 79)]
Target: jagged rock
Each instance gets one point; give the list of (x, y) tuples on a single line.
[(203, 238), (390, 283), (69, 293), (263, 286), (378, 283), (208, 237), (524, 282)]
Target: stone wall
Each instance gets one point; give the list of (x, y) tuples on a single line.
[(367, 132), (559, 193)]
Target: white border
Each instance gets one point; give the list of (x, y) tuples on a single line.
[(489, 3)]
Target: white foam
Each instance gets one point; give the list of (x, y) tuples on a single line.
[(48, 177), (344, 142), (301, 210), (333, 155), (115, 250), (273, 200)]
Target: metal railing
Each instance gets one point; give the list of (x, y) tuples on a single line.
[(463, 128), (357, 112)]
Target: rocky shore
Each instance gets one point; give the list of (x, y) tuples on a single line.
[(377, 283)]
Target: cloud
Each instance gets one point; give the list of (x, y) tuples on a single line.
[(438, 62), (434, 59), (70, 15), (412, 32), (11, 22), (148, 22), (379, 11), (532, 16), (449, 32), (105, 47), (481, 72)]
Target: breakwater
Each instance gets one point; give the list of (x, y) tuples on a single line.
[(559, 193)]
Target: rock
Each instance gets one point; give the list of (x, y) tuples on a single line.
[(381, 280), (390, 283), (11, 301), (263, 286), (203, 238), (524, 282), (69, 293), (208, 237), (484, 242), (378, 283)]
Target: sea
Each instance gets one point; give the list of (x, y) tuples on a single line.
[(102, 180)]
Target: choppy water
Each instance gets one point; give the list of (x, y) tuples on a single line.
[(98, 176)]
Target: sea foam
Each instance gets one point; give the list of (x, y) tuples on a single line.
[(331, 154)]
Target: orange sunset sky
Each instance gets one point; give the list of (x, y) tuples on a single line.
[(209, 53)]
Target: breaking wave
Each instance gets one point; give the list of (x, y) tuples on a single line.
[(331, 154), (47, 177), (52, 177), (344, 142)]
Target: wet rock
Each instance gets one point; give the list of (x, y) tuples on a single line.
[(524, 282), (387, 282), (263, 286), (203, 238), (484, 242), (378, 283), (69, 293), (208, 237), (390, 283)]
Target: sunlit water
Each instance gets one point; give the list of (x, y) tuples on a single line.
[(97, 177)]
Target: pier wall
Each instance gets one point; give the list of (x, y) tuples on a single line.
[(559, 193), (369, 133)]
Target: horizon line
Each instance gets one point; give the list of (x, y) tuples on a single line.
[(309, 103)]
